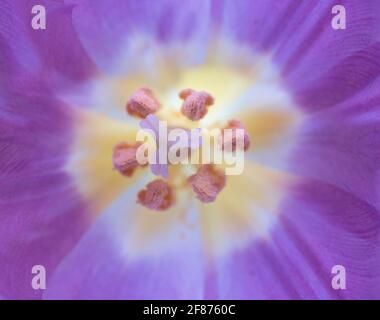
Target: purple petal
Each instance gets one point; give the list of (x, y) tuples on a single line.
[(321, 66), (104, 270), (117, 23), (341, 147), (41, 214), (54, 54), (320, 226)]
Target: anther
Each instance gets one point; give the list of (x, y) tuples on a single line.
[(232, 139), (142, 103), (158, 195), (195, 103), (207, 183), (124, 158)]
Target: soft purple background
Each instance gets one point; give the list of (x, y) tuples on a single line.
[(332, 217)]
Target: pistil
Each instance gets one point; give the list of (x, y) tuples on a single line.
[(142, 103), (158, 195), (195, 103), (232, 139), (124, 158), (207, 183)]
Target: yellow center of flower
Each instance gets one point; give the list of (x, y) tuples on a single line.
[(245, 87)]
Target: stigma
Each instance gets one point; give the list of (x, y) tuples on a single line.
[(233, 138), (157, 195), (142, 103), (207, 183), (124, 158), (195, 103)]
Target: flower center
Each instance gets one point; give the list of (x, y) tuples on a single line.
[(246, 207), (208, 181)]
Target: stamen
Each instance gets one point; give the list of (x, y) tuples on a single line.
[(207, 183), (235, 124), (142, 103), (124, 158), (195, 103), (158, 195)]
